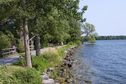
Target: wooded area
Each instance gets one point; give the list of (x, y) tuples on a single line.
[(54, 22)]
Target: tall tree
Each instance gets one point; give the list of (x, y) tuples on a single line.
[(89, 31), (18, 9)]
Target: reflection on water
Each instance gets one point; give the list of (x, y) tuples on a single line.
[(103, 62)]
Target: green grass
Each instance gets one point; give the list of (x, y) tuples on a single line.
[(19, 75), (45, 61), (49, 59)]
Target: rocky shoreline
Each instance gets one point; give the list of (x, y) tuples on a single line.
[(61, 74)]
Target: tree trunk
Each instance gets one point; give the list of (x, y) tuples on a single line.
[(26, 43), (62, 44), (37, 45), (21, 32)]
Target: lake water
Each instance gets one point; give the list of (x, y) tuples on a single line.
[(103, 62)]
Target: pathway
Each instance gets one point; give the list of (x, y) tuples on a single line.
[(14, 58)]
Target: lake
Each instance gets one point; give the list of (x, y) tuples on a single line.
[(103, 62)]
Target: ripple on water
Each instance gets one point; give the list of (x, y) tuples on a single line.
[(103, 62)]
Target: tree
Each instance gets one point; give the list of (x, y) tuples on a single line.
[(55, 21), (19, 9), (60, 22), (89, 31), (37, 45)]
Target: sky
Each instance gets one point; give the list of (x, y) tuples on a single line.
[(108, 16)]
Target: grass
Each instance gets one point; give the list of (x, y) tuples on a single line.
[(49, 59), (18, 75)]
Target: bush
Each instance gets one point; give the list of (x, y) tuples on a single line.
[(19, 75), (91, 39), (29, 76), (75, 43), (5, 41), (20, 47), (6, 76), (46, 60)]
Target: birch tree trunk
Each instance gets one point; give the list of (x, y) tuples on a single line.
[(26, 43)]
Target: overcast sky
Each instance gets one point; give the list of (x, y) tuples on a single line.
[(108, 16)]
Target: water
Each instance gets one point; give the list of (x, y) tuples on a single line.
[(103, 62)]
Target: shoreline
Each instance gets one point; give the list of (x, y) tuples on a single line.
[(62, 73), (70, 63)]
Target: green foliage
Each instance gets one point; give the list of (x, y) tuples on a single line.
[(18, 75), (5, 41), (20, 47), (89, 31), (75, 32), (91, 39), (50, 58), (46, 60), (29, 76), (6, 78), (55, 21)]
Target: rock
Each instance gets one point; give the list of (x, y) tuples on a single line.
[(49, 81), (63, 70), (45, 76), (65, 51), (50, 69), (57, 83)]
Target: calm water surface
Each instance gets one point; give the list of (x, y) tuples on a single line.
[(105, 62)]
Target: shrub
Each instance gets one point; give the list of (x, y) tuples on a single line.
[(20, 47), (46, 60), (6, 76), (75, 43), (91, 39), (5, 41), (28, 76), (19, 75), (62, 50)]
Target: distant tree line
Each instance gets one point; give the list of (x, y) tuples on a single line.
[(111, 38)]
